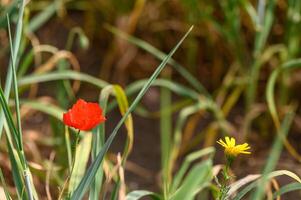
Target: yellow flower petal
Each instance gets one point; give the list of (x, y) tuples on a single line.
[(232, 142), (221, 142), (228, 141), (245, 152), (232, 149)]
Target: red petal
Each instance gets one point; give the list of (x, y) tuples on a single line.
[(83, 115), (66, 119)]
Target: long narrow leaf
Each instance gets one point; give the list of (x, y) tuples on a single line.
[(17, 41), (81, 159), (4, 185), (15, 84), (15, 163), (62, 75), (198, 176), (271, 175), (187, 163), (98, 142), (287, 188), (274, 155), (160, 55), (138, 194), (9, 119)]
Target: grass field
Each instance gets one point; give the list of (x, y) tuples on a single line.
[(192, 99)]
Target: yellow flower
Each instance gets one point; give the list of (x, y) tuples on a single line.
[(233, 150)]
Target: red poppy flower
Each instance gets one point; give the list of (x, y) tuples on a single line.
[(84, 115)]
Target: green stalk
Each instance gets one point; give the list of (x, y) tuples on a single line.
[(28, 183), (98, 142), (165, 134), (274, 155), (231, 9), (292, 40), (26, 172), (4, 185), (17, 41), (17, 103), (68, 147), (74, 148), (260, 41)]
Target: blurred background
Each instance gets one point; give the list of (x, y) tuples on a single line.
[(228, 59)]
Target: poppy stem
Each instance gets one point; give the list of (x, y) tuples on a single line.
[(74, 147), (77, 138)]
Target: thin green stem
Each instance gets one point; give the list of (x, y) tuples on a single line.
[(17, 41), (74, 150), (224, 186), (15, 84), (28, 184), (72, 165), (68, 147)]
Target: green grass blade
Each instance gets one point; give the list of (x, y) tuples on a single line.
[(271, 175), (270, 97), (81, 161), (138, 194), (122, 101), (160, 55), (274, 155), (185, 166), (42, 17), (130, 90), (88, 178), (260, 41), (9, 119), (174, 87), (292, 43), (98, 142), (247, 189), (82, 38), (199, 175), (61, 75), (20, 151), (46, 108), (287, 188), (68, 147), (251, 12), (183, 115), (4, 185), (290, 65), (17, 42), (8, 10), (165, 137), (15, 84), (232, 27), (293, 28), (267, 21), (16, 165), (286, 67), (123, 106)]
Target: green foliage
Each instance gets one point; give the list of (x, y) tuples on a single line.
[(238, 50)]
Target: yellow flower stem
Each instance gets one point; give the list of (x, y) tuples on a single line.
[(229, 161), (224, 188)]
